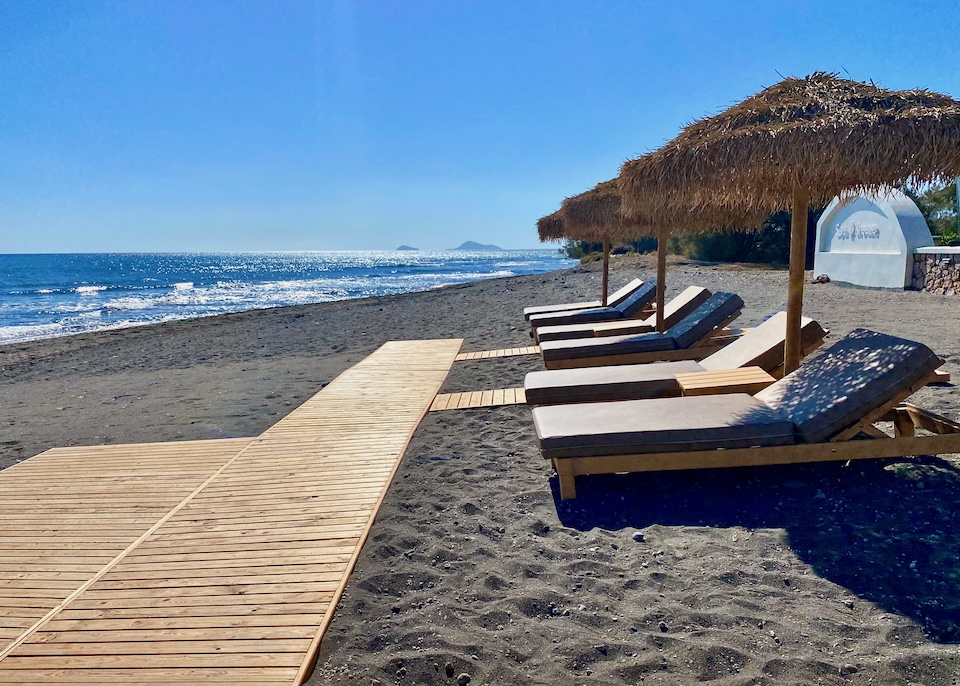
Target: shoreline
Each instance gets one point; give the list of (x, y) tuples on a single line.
[(83, 293), (764, 575)]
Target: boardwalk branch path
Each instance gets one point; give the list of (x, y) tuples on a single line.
[(204, 561)]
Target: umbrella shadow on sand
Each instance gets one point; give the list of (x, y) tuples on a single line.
[(887, 530)]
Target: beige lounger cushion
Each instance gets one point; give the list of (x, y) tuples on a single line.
[(613, 300), (617, 382), (856, 375), (631, 427), (762, 346)]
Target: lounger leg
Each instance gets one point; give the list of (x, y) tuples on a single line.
[(568, 489), (903, 424)]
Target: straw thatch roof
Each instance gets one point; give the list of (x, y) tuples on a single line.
[(551, 227), (821, 133), (595, 216)]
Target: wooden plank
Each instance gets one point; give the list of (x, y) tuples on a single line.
[(115, 646), (195, 634), (500, 352), (474, 399), (167, 676), (441, 402)]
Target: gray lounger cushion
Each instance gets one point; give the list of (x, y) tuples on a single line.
[(674, 312), (856, 375), (607, 345), (631, 427), (565, 332), (762, 346), (718, 308), (697, 325), (615, 299), (617, 382), (636, 301), (630, 306)]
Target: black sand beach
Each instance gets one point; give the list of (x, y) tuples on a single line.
[(778, 575)]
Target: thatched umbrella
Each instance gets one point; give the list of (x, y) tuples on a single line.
[(553, 227), (798, 142), (595, 216)]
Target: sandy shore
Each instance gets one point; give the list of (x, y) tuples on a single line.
[(778, 575)]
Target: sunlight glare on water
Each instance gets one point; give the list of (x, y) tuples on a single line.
[(55, 295)]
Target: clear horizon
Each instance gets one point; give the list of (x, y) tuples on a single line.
[(542, 247), (304, 126)]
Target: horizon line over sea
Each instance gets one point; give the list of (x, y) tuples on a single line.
[(45, 295)]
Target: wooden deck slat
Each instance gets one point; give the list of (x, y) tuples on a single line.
[(475, 399), (225, 570), (502, 352)]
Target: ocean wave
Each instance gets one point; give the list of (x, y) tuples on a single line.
[(118, 291)]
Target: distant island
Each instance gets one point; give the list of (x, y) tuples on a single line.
[(407, 247), (470, 245)]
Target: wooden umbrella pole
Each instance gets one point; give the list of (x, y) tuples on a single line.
[(661, 277), (606, 272), (798, 256)]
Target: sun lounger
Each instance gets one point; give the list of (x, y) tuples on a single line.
[(690, 339), (674, 311), (809, 415), (761, 347), (613, 300), (629, 307)]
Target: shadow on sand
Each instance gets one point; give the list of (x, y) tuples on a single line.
[(887, 530)]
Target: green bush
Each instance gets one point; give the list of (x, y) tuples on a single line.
[(768, 245), (578, 249)]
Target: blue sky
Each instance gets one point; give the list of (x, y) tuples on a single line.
[(285, 125)]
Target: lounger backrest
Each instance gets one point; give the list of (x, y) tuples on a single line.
[(622, 294), (638, 299), (853, 377), (762, 346), (680, 306), (697, 325)]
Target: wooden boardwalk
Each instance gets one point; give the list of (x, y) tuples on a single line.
[(205, 561), (473, 399), (502, 352)]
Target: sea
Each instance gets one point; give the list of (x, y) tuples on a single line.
[(42, 296)]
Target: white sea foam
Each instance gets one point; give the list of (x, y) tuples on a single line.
[(237, 282), (28, 332)]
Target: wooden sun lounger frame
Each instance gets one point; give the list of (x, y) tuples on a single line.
[(906, 419), (707, 345)]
